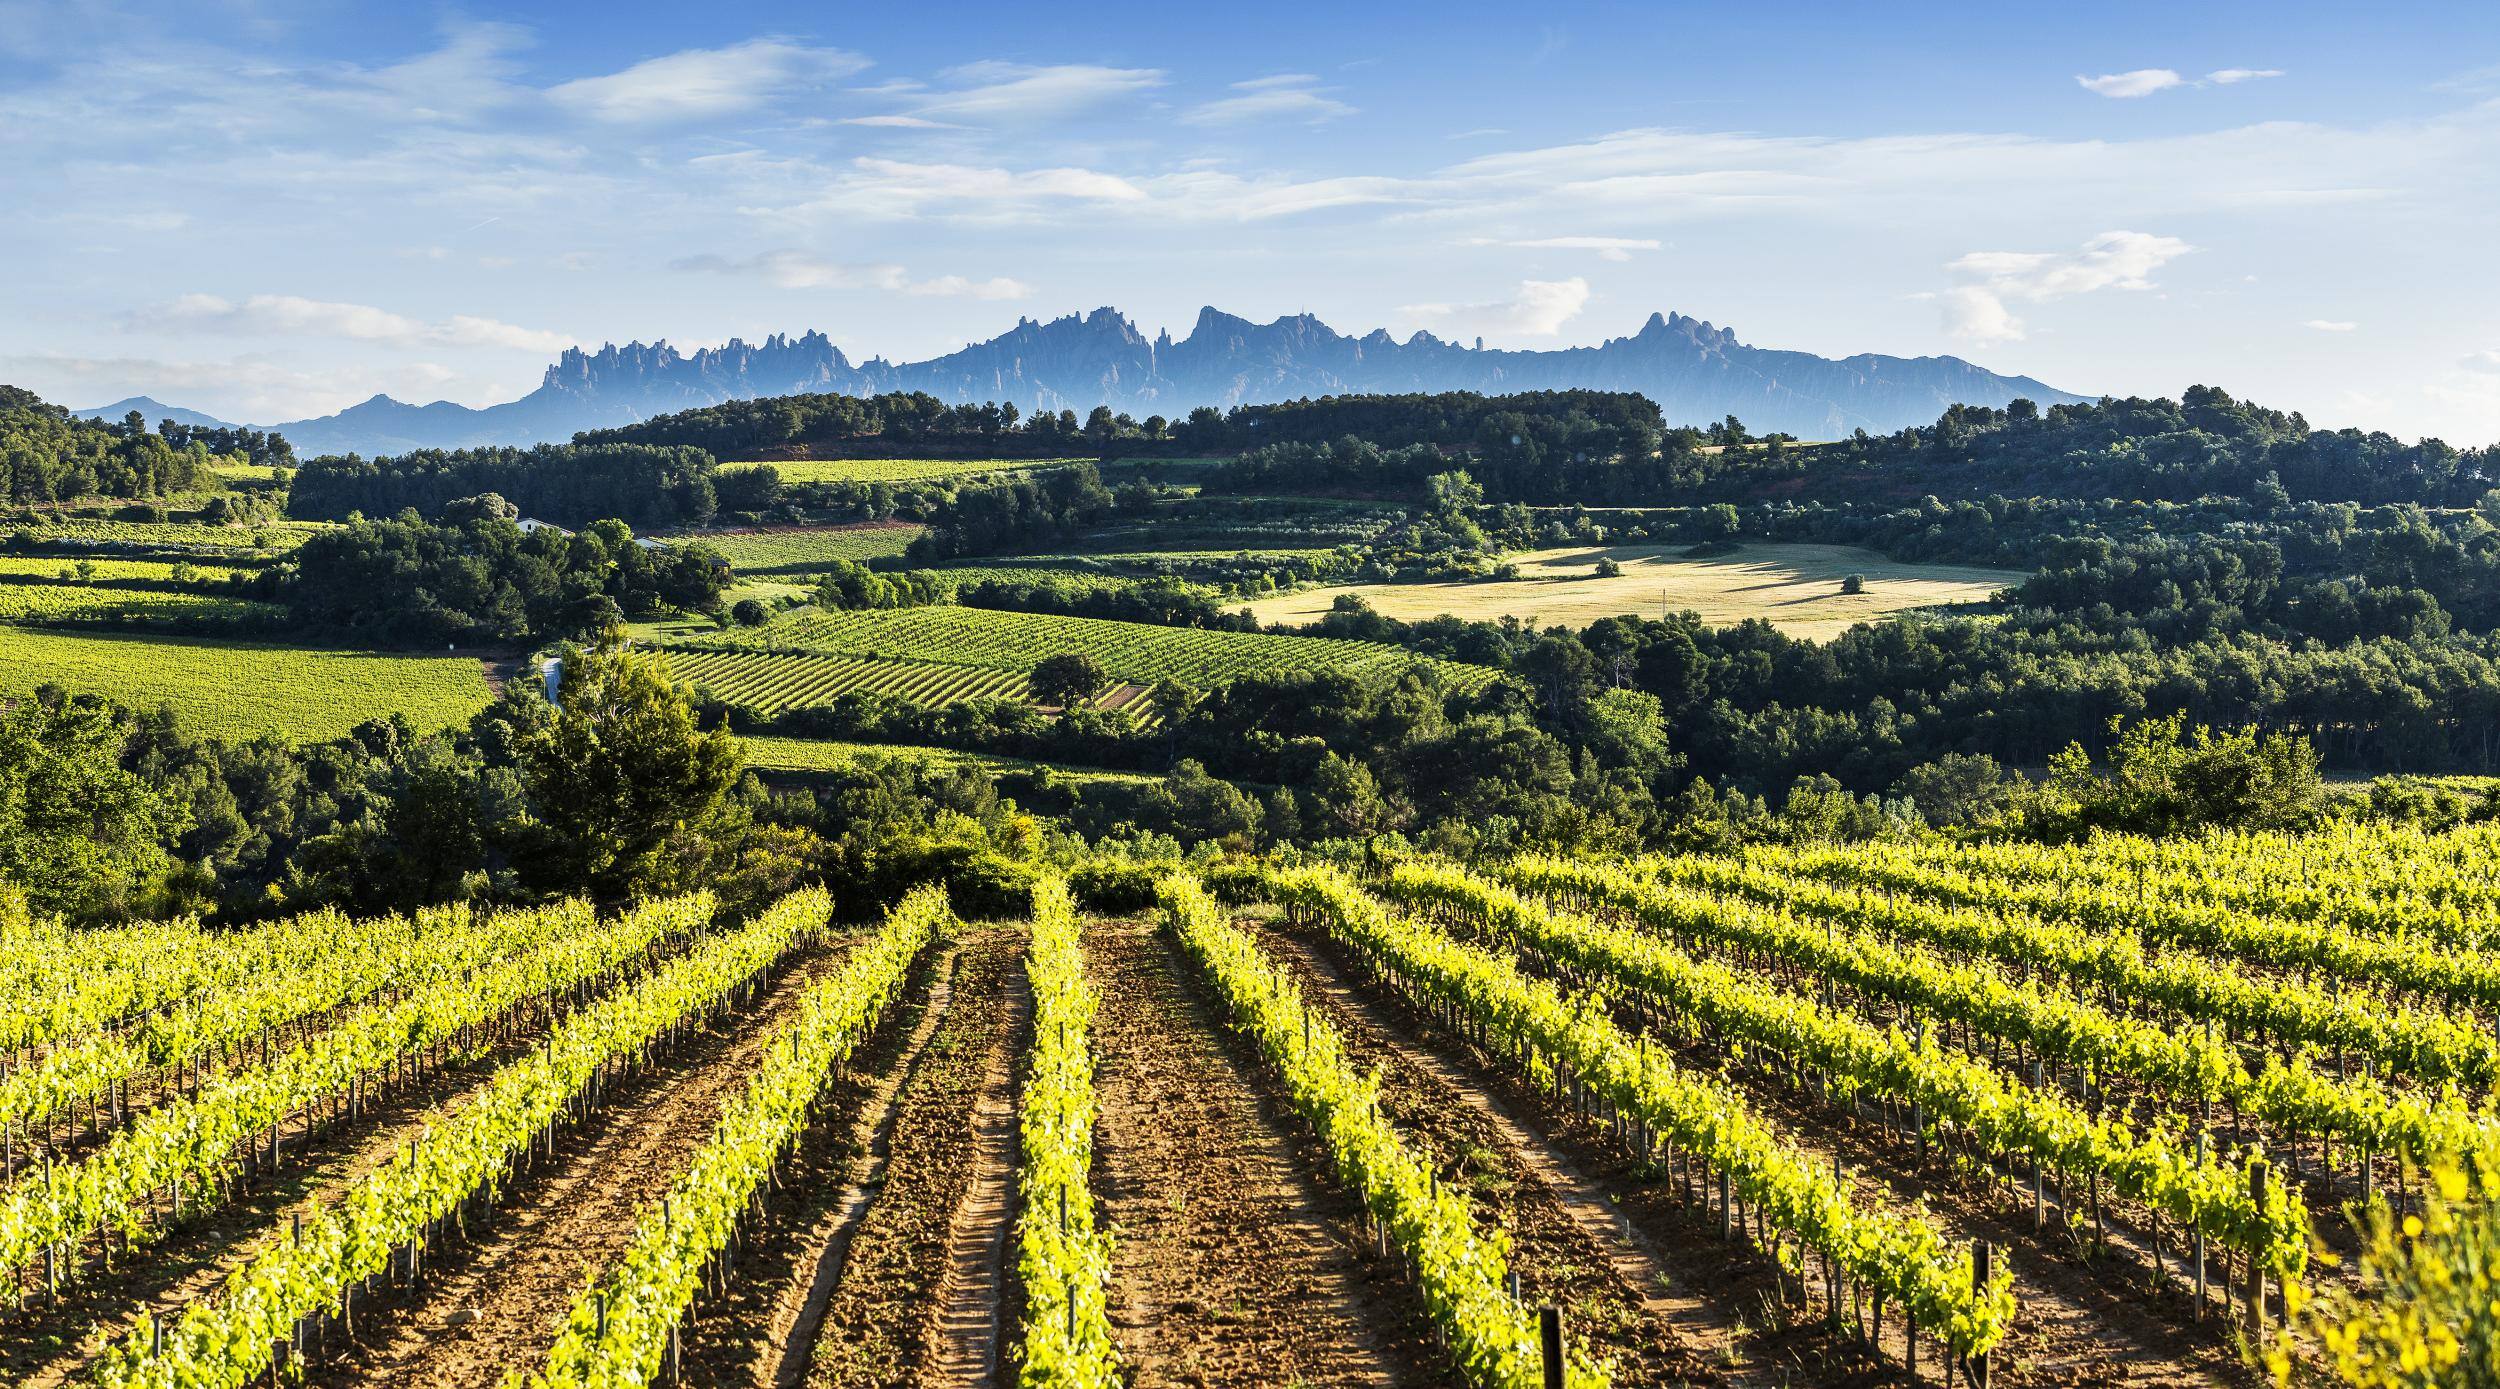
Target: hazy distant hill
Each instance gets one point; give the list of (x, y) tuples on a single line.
[(1696, 372), (153, 410)]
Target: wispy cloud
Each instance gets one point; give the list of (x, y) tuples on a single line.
[(2113, 260), (1538, 310), (2141, 82), (1614, 248), (1292, 96), (704, 83), (2331, 325), (291, 316), (2146, 81), (799, 270), (993, 91), (898, 122)]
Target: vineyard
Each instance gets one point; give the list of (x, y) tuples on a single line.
[(90, 535), (1974, 1115), (768, 683), (810, 470), (1013, 642), (81, 602), (242, 690), (803, 550)]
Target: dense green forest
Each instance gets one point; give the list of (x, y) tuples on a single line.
[(569, 484), (49, 455)]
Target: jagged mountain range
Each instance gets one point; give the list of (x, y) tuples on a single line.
[(1695, 371)]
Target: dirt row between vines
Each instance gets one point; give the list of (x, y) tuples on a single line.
[(1231, 1262), (1629, 1296), (888, 1305)]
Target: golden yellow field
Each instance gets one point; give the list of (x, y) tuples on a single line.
[(1796, 588)]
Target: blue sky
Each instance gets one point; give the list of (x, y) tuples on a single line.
[(266, 210)]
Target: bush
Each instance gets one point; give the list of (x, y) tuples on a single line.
[(1608, 569), (1114, 886), (1854, 584), (749, 612)]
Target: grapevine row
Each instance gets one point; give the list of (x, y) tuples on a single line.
[(2185, 1065), (2041, 1126), (621, 1330), (2429, 1045), (183, 1148), (2429, 967), (394, 1211), (1459, 1264), (1903, 1260), (360, 960), (1062, 1261)]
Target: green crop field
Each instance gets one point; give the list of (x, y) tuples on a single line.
[(803, 549), (276, 537), (240, 689), (98, 603), (896, 469), (64, 569), (1130, 651), (769, 682)]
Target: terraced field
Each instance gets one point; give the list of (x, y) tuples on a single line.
[(1013, 642), (243, 690)]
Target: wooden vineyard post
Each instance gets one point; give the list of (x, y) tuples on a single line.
[(1550, 1344), (1982, 1268), (2256, 1266), (2201, 1140)]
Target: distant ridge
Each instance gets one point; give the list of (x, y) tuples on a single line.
[(153, 410), (1696, 372)]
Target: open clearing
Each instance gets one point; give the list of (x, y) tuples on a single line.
[(1795, 588), (240, 690)]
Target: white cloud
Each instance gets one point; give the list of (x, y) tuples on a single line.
[(2146, 81), (992, 91), (1614, 248), (1539, 310), (898, 122), (2141, 82), (1294, 96), (2331, 325), (700, 83), (798, 270), (2112, 260), (1976, 315), (288, 315), (2487, 362)]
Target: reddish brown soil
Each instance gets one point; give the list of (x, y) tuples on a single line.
[(879, 1320), (1231, 1264), (1622, 1301)]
